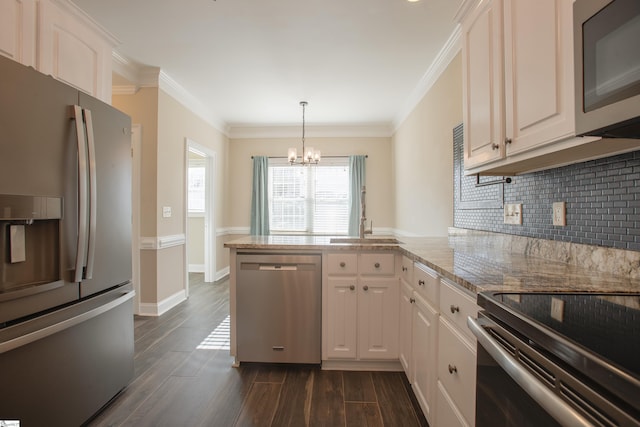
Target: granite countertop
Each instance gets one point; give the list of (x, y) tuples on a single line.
[(475, 262)]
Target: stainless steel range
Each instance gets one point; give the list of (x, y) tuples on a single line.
[(558, 359)]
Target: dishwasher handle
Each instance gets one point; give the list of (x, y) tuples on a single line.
[(277, 267)]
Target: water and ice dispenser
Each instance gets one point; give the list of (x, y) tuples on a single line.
[(29, 241)]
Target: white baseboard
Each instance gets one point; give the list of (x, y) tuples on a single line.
[(158, 309), (196, 268), (362, 365), (221, 274)]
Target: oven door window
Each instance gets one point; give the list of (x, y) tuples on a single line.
[(611, 54), (501, 402)]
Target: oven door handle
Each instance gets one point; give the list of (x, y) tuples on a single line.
[(550, 402)]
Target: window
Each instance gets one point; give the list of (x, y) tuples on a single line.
[(309, 199), (196, 175)]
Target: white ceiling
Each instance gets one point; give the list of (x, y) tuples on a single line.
[(250, 62)]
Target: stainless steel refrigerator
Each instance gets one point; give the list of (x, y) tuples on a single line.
[(66, 310)]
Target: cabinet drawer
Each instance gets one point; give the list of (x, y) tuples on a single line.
[(456, 306), (426, 282), (342, 264), (406, 270), (377, 264), (457, 368)]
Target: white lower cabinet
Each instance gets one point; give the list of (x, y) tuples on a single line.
[(378, 319), (361, 315), (406, 328), (457, 370), (456, 357), (425, 342), (341, 322)]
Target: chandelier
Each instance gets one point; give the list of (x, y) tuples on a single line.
[(309, 155)]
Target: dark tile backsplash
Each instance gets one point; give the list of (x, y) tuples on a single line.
[(602, 201)]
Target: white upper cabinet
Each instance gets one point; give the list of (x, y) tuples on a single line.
[(58, 39), (482, 84), (73, 51), (517, 77), (18, 30), (518, 89), (539, 92)]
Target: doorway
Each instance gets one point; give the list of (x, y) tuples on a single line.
[(200, 253)]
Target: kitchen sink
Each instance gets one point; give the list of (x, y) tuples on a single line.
[(366, 241)]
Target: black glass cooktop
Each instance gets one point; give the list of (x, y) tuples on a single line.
[(596, 334), (606, 324)]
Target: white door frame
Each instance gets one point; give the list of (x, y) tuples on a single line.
[(136, 166), (209, 213)]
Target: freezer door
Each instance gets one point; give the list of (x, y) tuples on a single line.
[(108, 260)]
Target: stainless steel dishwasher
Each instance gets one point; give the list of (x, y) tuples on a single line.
[(278, 307)]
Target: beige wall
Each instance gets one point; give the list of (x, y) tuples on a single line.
[(409, 177), (378, 172), (423, 158), (165, 126), (195, 240)]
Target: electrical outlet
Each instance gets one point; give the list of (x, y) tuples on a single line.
[(557, 309), (513, 213), (166, 211), (559, 214)]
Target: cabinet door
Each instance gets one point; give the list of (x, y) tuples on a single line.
[(538, 73), (18, 30), (378, 306), (482, 77), (406, 310), (341, 318), (72, 52), (457, 368), (425, 341)]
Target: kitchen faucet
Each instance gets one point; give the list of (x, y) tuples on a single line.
[(363, 215)]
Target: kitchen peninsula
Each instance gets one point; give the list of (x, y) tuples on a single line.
[(405, 306)]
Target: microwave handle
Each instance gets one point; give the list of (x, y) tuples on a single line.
[(556, 407)]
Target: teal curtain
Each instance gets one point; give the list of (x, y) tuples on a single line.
[(356, 181), (260, 197)]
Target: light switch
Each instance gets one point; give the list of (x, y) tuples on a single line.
[(166, 211), (513, 213)]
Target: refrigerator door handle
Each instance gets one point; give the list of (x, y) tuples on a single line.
[(93, 197), (82, 193)]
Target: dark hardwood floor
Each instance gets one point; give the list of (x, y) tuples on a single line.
[(183, 377)]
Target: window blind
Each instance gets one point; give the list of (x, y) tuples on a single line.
[(309, 199)]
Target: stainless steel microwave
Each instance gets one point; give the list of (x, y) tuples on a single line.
[(607, 67)]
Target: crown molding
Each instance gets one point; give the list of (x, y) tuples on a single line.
[(433, 73), (71, 8), (372, 130), (141, 76)]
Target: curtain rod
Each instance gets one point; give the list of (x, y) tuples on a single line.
[(324, 157)]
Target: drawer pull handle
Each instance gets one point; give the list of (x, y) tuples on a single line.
[(453, 369), (454, 309), (404, 268), (495, 146), (412, 300), (507, 141), (352, 287), (278, 348), (376, 265), (365, 287), (342, 264), (420, 282)]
